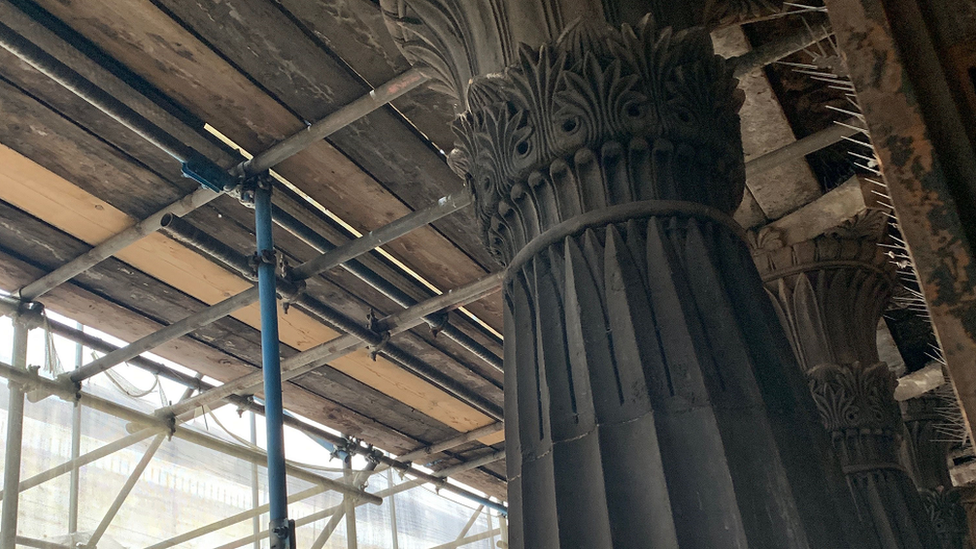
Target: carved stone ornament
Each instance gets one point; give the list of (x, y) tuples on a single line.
[(948, 517), (722, 13), (856, 398), (601, 117), (830, 292)]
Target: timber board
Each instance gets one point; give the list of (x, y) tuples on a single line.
[(146, 40), (350, 406), (66, 148), (115, 281), (312, 84), (354, 31), (68, 105), (39, 192)]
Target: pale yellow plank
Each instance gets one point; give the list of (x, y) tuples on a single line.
[(32, 188)]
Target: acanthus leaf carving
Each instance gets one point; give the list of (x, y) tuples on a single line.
[(852, 397), (657, 102)]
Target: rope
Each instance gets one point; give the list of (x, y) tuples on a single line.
[(52, 362), (126, 386), (249, 444)]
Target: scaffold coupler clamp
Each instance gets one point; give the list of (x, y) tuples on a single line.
[(207, 173), (30, 314), (263, 257), (247, 187), (437, 322), (293, 288), (375, 325), (282, 534)]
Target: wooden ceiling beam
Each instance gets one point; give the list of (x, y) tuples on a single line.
[(157, 48)]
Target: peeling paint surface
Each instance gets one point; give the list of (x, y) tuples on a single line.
[(919, 188)]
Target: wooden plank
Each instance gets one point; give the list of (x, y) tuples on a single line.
[(824, 213), (355, 31), (311, 83), (347, 404), (25, 112), (154, 46), (41, 193), (782, 189), (25, 236)]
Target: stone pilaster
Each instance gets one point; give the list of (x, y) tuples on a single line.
[(829, 293), (651, 397)]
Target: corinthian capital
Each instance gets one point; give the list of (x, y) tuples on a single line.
[(856, 398), (601, 117)]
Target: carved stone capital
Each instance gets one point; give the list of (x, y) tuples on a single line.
[(830, 292), (851, 397), (458, 40), (948, 516), (601, 117), (928, 445)]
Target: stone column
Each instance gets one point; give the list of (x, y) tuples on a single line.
[(829, 293), (928, 449), (651, 399)]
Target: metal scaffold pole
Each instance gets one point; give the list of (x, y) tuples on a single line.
[(15, 435), (75, 482), (281, 532), (255, 491)]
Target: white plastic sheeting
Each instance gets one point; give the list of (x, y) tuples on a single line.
[(186, 487)]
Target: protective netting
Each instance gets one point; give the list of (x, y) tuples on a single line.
[(186, 487)]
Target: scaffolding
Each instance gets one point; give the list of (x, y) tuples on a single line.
[(114, 432), (251, 183)]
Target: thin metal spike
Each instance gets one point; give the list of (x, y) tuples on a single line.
[(871, 159), (863, 167), (827, 76), (864, 130), (797, 65), (857, 115), (862, 143)]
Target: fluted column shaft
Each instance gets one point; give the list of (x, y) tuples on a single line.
[(829, 294)]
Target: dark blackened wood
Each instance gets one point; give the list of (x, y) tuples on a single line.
[(158, 49), (312, 84), (354, 30), (107, 172)]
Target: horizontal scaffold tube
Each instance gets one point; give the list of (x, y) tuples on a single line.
[(33, 380), (402, 463), (341, 254), (315, 357)]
